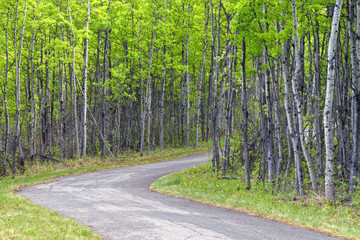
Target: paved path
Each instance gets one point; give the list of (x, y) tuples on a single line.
[(117, 205)]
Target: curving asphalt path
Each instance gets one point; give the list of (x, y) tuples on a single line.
[(116, 204)]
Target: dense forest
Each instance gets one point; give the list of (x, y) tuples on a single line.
[(274, 84)]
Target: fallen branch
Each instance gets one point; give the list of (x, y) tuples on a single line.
[(50, 158)]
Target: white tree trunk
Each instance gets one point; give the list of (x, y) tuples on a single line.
[(187, 85), (202, 76), (86, 58), (245, 116), (18, 55), (298, 103), (287, 102), (7, 122), (162, 106), (330, 85), (148, 83), (74, 86)]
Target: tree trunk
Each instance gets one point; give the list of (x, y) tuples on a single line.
[(287, 102), (187, 84), (245, 116), (148, 83), (202, 76), (86, 57), (355, 63), (74, 87), (105, 76), (270, 160), (18, 85), (229, 52), (33, 102), (328, 109), (7, 122), (162, 94), (317, 94), (298, 102), (216, 110)]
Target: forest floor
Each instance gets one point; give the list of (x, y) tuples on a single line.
[(22, 219), (201, 184)]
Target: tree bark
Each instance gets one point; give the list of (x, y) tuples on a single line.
[(86, 58), (187, 84), (104, 93), (269, 135), (7, 120), (355, 63), (77, 143), (162, 94), (148, 83), (202, 76), (287, 102), (328, 109), (245, 116), (18, 55), (298, 102)]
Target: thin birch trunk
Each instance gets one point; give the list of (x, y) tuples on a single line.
[(202, 76), (33, 102), (355, 70), (215, 157), (118, 121), (216, 108), (317, 94), (148, 83), (86, 58), (211, 74), (260, 92), (328, 109), (290, 156), (76, 123), (287, 102), (142, 105), (298, 102), (230, 50), (270, 160), (18, 55), (187, 85), (245, 116), (105, 76), (162, 94), (7, 122)]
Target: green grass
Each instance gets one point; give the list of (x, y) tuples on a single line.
[(22, 219), (201, 184)]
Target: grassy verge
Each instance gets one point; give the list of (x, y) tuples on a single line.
[(21, 219), (201, 184)]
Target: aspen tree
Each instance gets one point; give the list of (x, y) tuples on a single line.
[(201, 80), (7, 119), (85, 79), (77, 143), (18, 57), (298, 104), (355, 63), (328, 108), (245, 116)]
